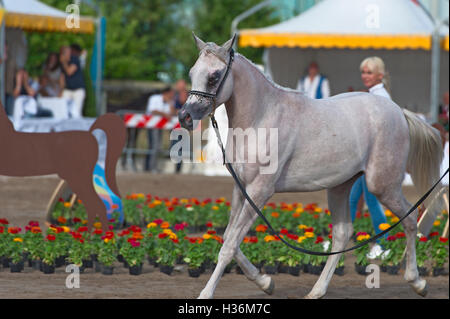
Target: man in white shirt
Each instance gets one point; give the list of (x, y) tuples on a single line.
[(314, 85), (160, 105)]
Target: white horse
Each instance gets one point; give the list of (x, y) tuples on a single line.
[(326, 144)]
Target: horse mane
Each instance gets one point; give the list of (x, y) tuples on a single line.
[(267, 78)]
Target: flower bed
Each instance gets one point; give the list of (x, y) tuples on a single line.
[(174, 231)]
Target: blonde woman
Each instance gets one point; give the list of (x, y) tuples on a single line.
[(374, 78)]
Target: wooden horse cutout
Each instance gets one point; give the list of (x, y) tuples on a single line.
[(71, 155)]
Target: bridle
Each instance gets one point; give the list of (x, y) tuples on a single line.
[(213, 96)]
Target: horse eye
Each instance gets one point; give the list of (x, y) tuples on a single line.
[(213, 78)]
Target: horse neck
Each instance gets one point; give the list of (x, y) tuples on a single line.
[(246, 101)]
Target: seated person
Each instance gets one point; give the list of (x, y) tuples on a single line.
[(52, 80), (25, 90)]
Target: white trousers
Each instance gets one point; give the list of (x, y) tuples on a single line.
[(75, 100)]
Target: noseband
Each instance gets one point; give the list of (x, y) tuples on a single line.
[(213, 96)]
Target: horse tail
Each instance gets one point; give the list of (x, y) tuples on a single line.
[(425, 152), (116, 134)]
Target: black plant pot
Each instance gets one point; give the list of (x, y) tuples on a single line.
[(135, 270), (315, 270), (166, 269), (360, 269), (16, 267), (270, 270), (60, 261), (383, 268), (393, 270), (97, 266), (195, 272), (180, 260), (306, 268), (283, 269), (423, 271), (120, 258), (239, 271), (438, 271), (107, 270), (87, 263), (48, 269), (228, 268), (339, 271), (125, 264), (36, 264), (294, 270), (6, 262)]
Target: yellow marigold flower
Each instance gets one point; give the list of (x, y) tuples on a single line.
[(444, 212), (309, 234), (269, 238), (184, 201), (152, 225), (18, 239), (437, 222), (318, 210), (164, 225), (157, 202), (387, 213), (97, 225), (302, 226), (106, 240), (394, 219), (53, 229), (299, 210), (84, 222), (206, 236), (173, 236), (384, 226), (215, 208), (302, 238), (168, 231), (66, 229), (67, 205), (362, 237), (140, 195)]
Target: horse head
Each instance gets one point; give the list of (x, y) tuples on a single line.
[(212, 81)]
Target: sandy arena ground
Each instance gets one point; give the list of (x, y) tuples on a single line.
[(24, 199)]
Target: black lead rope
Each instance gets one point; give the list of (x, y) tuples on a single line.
[(302, 250)]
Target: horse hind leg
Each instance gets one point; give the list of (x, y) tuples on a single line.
[(264, 282), (338, 202), (396, 202)]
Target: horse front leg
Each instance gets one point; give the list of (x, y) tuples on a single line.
[(240, 222)]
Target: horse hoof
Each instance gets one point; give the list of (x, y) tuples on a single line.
[(421, 287), (270, 286)]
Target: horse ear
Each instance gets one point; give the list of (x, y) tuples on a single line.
[(229, 44), (200, 44)]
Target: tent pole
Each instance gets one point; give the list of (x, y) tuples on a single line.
[(435, 73), (245, 15), (98, 79), (2, 60)]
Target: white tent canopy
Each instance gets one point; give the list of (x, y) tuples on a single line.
[(339, 34)]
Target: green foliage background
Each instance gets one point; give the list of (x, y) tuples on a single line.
[(147, 37)]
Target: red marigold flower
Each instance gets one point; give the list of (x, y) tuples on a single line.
[(330, 226), (4, 221), (227, 204), (14, 230), (366, 215), (175, 240), (391, 238), (253, 239), (76, 220), (309, 230), (319, 240), (2, 229), (443, 239), (82, 229), (192, 240), (33, 223), (135, 229), (292, 236), (211, 232), (330, 236), (261, 228), (423, 239), (179, 227), (109, 234), (400, 235), (110, 227), (361, 233), (284, 231), (158, 221), (135, 243), (433, 234), (358, 214), (51, 237), (162, 235), (219, 200), (170, 208), (98, 232), (209, 224)]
